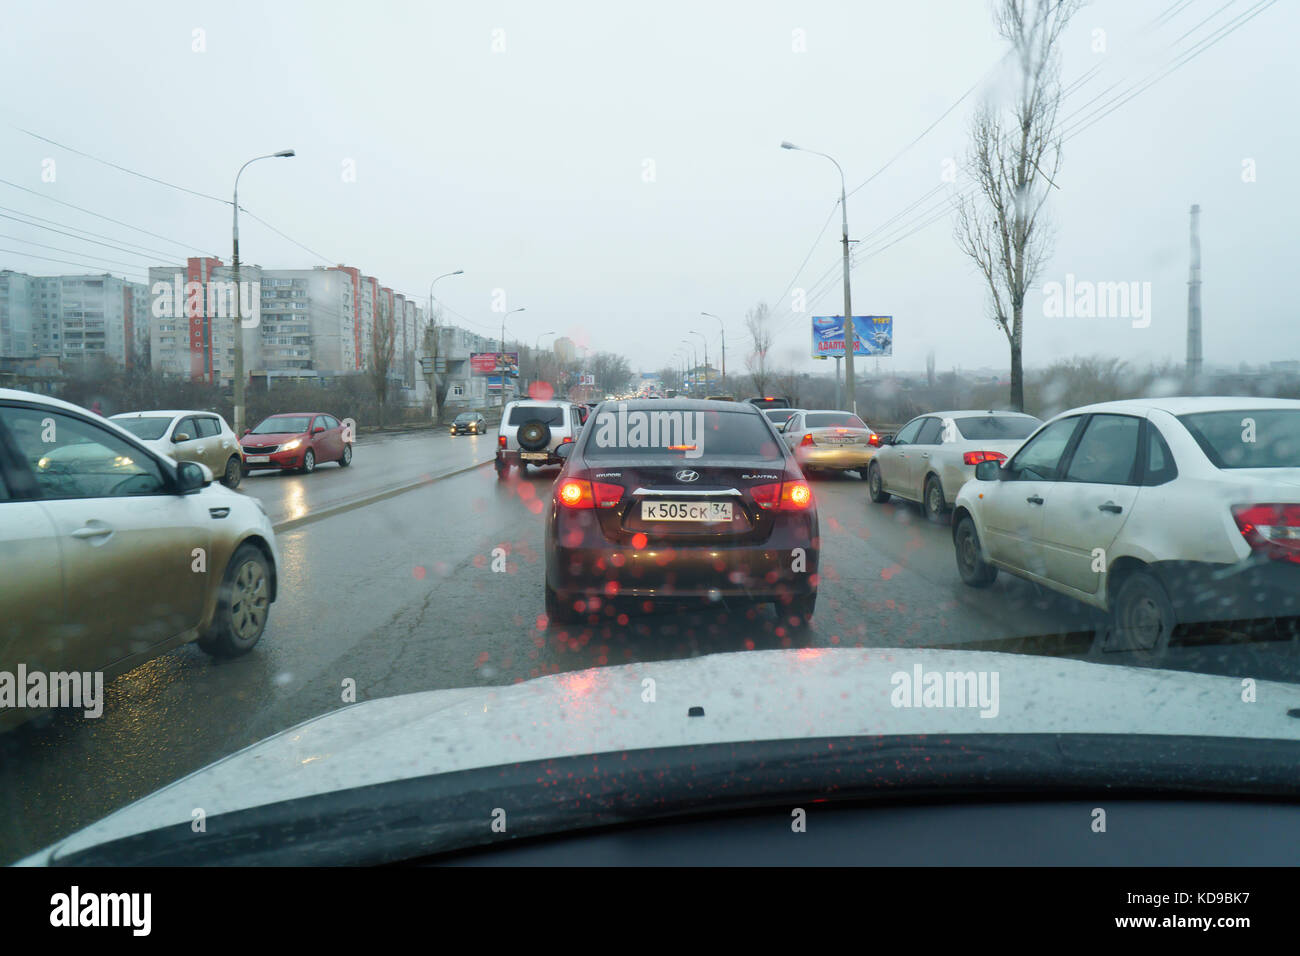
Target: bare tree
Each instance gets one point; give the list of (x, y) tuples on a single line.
[(1014, 157), (788, 383), (383, 344), (758, 323)]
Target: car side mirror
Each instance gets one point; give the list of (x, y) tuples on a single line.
[(180, 437), (318, 429), (190, 477), (248, 431), (564, 449), (988, 471)]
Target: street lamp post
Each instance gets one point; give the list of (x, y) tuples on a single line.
[(433, 372), (238, 372), (850, 332), (723, 329), (501, 354), (690, 353), (706, 361)]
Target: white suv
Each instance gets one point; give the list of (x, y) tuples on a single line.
[(1158, 511), (530, 431)]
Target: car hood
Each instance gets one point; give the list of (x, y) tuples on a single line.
[(272, 438), (755, 695)]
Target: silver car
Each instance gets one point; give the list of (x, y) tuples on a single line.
[(202, 437), (933, 455)]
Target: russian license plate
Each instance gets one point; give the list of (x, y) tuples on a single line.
[(533, 455), (708, 512), (256, 459)]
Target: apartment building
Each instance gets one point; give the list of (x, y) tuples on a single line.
[(72, 318)]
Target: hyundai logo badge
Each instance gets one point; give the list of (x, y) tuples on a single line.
[(687, 475)]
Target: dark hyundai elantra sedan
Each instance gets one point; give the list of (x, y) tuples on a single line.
[(679, 500)]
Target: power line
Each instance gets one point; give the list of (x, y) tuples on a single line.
[(71, 252), (148, 254), (130, 172), (185, 245), (94, 270)]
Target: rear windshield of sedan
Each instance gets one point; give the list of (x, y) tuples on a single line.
[(833, 420), (282, 424), (677, 433), (1264, 438), (546, 414), (146, 428), (996, 427)]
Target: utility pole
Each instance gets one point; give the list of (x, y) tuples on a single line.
[(1194, 300)]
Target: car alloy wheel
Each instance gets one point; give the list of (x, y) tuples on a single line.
[(234, 472), (975, 571), (935, 507), (243, 605), (309, 462), (875, 484), (1142, 619), (347, 456)]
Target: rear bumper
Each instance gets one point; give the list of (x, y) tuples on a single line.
[(1249, 590), (846, 458), (784, 565), (516, 458)]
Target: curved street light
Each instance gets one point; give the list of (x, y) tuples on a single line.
[(850, 331), (723, 330), (238, 371)]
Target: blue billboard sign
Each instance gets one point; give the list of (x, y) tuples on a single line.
[(874, 336)]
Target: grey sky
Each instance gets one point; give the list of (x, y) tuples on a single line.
[(527, 167)]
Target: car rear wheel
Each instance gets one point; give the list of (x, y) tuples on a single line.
[(935, 505), (234, 472), (876, 485), (242, 605), (1141, 620), (309, 462), (559, 607), (974, 570), (503, 470), (347, 456)]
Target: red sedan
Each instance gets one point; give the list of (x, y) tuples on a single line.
[(296, 440)]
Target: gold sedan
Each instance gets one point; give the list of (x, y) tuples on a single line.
[(830, 440)]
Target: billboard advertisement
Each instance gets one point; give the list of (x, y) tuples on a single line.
[(874, 336), (492, 363)]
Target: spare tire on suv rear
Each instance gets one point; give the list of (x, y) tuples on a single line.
[(533, 436)]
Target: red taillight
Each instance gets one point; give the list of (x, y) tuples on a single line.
[(874, 440), (565, 440), (501, 441), (783, 496), (807, 439), (577, 493), (975, 457), (1273, 529)]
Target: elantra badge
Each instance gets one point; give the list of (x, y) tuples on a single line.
[(687, 475)]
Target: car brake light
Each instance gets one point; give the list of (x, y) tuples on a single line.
[(607, 495), (565, 440), (578, 493), (874, 440), (975, 457), (575, 493), (1272, 529), (501, 441), (782, 496), (807, 440)]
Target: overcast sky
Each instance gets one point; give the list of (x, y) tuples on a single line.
[(616, 169)]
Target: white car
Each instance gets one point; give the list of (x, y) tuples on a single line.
[(112, 553), (933, 455), (202, 437), (531, 430), (828, 439), (1157, 511)]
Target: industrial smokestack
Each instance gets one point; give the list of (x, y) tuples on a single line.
[(1194, 300)]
